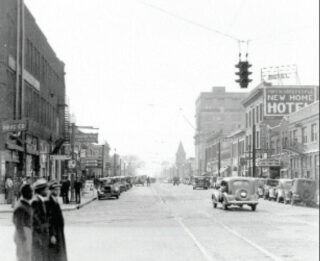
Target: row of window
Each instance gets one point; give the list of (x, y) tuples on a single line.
[(254, 116), (38, 109), (38, 66), (249, 143), (305, 138)]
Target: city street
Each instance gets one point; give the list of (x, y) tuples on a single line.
[(166, 222)]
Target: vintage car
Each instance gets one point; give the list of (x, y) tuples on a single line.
[(237, 191), (108, 188), (283, 190), (270, 189), (201, 182), (176, 181), (303, 190)]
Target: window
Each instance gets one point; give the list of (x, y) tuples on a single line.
[(314, 131), (247, 143), (249, 118), (304, 136), (253, 116), (246, 120), (258, 139), (261, 112), (257, 114), (294, 137)]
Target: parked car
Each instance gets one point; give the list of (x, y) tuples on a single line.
[(238, 191), (217, 183), (283, 190), (201, 182), (303, 190), (108, 188), (270, 189), (176, 181)]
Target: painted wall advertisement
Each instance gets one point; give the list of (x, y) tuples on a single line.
[(280, 101)]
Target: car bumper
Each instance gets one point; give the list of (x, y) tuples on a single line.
[(108, 195), (238, 202)]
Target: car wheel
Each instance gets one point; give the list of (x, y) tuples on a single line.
[(292, 201), (117, 197), (224, 205), (253, 207)]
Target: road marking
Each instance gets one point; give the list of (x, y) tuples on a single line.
[(187, 230), (195, 241), (234, 232)]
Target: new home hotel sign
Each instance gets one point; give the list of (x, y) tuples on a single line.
[(280, 101)]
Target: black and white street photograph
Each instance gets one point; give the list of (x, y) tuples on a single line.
[(163, 130)]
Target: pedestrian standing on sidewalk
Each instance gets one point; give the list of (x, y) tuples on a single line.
[(40, 225), (9, 189), (68, 183), (77, 188), (63, 191), (22, 221), (57, 245)]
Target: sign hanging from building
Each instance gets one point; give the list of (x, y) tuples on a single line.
[(280, 101), (14, 125), (86, 137), (280, 75)]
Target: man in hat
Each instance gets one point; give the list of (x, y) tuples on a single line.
[(22, 222), (40, 225), (57, 245)]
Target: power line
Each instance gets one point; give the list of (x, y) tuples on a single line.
[(191, 22)]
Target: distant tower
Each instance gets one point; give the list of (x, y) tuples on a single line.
[(180, 161)]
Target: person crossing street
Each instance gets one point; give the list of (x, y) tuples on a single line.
[(57, 245)]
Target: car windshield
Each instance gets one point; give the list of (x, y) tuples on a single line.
[(272, 182), (241, 184), (287, 184)]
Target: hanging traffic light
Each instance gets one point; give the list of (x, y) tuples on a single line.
[(243, 73)]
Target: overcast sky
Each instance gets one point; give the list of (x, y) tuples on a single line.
[(135, 71)]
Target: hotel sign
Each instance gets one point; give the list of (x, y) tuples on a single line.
[(280, 101)]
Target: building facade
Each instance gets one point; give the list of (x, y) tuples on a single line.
[(260, 142), (36, 97), (215, 111)]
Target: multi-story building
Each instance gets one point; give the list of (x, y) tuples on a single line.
[(259, 118), (36, 96), (215, 111), (237, 157), (295, 141)]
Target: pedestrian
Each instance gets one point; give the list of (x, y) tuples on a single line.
[(9, 190), (63, 191), (77, 188), (68, 183), (17, 183), (22, 221), (57, 245), (40, 225), (148, 181)]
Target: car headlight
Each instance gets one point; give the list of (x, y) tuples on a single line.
[(243, 194), (116, 189)]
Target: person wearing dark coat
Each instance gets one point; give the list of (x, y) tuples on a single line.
[(77, 188), (68, 184), (57, 244), (40, 225), (22, 221)]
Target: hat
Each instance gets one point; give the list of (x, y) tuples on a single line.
[(40, 183), (54, 184)]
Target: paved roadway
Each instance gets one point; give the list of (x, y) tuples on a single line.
[(170, 223)]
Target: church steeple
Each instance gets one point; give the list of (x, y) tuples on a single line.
[(180, 155)]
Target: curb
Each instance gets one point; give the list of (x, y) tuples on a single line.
[(76, 207)]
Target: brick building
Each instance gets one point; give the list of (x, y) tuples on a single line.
[(37, 95), (257, 131), (215, 111)]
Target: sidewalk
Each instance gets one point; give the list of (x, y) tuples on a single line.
[(85, 200)]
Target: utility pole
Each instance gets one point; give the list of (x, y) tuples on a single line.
[(102, 162), (219, 157), (73, 130), (253, 150)]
